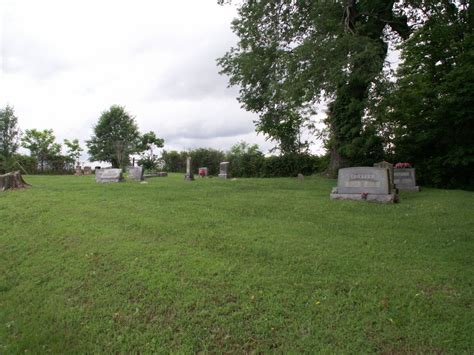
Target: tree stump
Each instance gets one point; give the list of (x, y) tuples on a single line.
[(12, 180)]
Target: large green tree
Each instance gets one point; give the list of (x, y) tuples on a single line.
[(42, 146), (116, 137), (9, 137), (292, 54)]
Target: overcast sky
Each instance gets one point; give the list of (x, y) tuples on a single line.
[(64, 62)]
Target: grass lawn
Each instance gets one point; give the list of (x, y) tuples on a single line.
[(232, 266)]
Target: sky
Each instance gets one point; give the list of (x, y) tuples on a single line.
[(63, 63)]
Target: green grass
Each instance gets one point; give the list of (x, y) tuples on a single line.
[(253, 265)]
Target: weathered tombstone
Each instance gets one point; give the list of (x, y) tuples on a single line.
[(364, 183), (108, 175), (87, 170), (78, 171), (387, 165), (158, 174), (135, 172), (189, 171), (300, 177), (405, 179), (203, 172), (223, 170)]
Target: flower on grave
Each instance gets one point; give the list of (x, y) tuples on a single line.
[(364, 195), (402, 165)]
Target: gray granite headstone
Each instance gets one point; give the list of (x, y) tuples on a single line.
[(405, 179), (364, 183), (135, 173), (78, 171), (389, 166), (224, 170), (108, 175), (189, 171)]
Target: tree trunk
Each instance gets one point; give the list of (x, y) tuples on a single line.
[(12, 180)]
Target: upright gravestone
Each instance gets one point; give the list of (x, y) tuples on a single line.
[(224, 170), (203, 172), (387, 165), (78, 171), (405, 179), (108, 175), (136, 173), (189, 171), (87, 170), (364, 183)]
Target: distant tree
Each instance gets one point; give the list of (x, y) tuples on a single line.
[(148, 159), (73, 149), (9, 137), (174, 161), (206, 157), (245, 160), (115, 138), (41, 145)]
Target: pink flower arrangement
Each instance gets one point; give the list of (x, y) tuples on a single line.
[(402, 165)]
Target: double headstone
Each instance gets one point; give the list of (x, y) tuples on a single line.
[(405, 179), (108, 175), (224, 170), (364, 183), (189, 171), (135, 173)]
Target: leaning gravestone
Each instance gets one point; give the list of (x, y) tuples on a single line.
[(387, 165), (136, 173), (223, 170), (364, 183), (189, 171), (108, 175), (87, 170), (405, 179)]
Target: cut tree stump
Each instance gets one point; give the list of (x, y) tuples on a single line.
[(12, 180)]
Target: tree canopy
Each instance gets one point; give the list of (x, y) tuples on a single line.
[(292, 54), (116, 137), (41, 145)]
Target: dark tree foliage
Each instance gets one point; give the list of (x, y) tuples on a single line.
[(293, 53), (429, 112)]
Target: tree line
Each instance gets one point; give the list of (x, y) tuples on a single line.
[(246, 160)]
